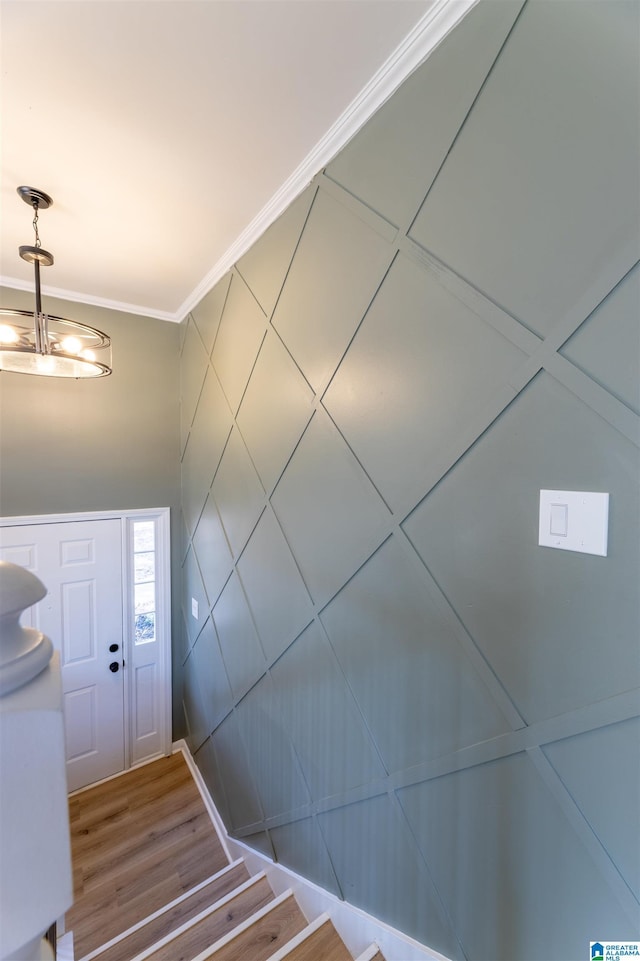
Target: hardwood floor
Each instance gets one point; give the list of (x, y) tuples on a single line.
[(137, 843)]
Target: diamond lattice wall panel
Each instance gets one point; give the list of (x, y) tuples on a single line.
[(332, 744), (275, 410), (237, 492), (538, 203), (209, 311), (265, 266), (182, 334), (427, 709), (214, 686), (536, 613), (607, 345), (379, 870), (235, 775), (329, 511), (194, 706), (299, 846), (193, 590), (212, 550), (261, 841), (278, 599), (193, 367), (391, 164), (316, 316), (181, 641), (503, 814), (419, 694), (277, 776), (184, 537), (207, 439), (608, 795), (238, 342), (239, 642), (420, 364), (206, 760)]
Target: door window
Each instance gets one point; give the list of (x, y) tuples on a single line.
[(144, 581)]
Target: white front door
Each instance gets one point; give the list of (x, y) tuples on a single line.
[(80, 564)]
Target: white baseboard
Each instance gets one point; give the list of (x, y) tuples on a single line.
[(356, 928), (64, 947)]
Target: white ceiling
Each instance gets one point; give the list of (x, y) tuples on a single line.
[(170, 132)]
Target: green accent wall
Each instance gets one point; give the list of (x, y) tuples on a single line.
[(389, 686)]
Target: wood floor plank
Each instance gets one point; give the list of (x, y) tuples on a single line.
[(138, 842), (108, 794), (129, 840), (95, 829), (263, 938), (324, 943), (173, 918), (210, 929)]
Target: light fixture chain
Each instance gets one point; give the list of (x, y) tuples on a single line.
[(53, 346), (35, 225)]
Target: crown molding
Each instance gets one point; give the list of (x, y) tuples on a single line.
[(430, 30), (76, 297), (441, 17)]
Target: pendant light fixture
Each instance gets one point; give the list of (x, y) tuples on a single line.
[(38, 343)]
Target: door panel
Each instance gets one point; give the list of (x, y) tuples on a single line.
[(80, 563), (26, 556), (146, 713), (80, 723)]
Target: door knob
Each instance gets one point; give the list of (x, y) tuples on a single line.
[(113, 648), (114, 667)]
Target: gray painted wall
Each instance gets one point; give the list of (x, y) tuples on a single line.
[(107, 444), (389, 686)]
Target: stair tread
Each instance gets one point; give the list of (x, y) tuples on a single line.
[(171, 919), (323, 943), (259, 940), (201, 934)]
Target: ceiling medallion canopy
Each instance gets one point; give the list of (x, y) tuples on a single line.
[(39, 343)]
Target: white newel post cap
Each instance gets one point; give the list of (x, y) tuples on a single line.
[(24, 652)]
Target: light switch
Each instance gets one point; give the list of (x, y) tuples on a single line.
[(559, 516), (194, 608), (574, 521)]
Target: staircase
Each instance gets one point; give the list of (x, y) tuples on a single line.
[(233, 915), (247, 923)]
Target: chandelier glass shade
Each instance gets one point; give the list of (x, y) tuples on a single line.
[(38, 343), (66, 348)]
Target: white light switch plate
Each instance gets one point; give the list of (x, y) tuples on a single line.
[(574, 521), (194, 608)]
